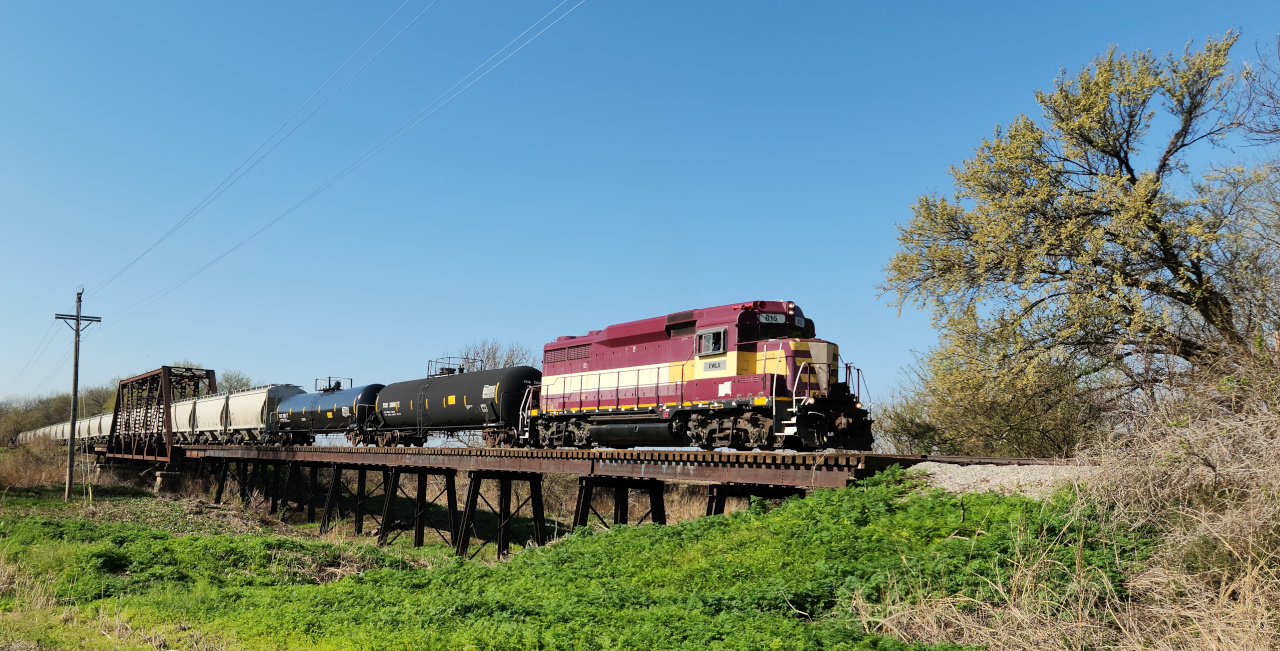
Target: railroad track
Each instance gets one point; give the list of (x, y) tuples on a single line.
[(798, 469)]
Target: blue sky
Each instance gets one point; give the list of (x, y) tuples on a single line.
[(636, 159)]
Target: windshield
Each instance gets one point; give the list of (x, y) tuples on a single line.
[(780, 331)]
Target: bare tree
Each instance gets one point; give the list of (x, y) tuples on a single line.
[(1262, 98), (491, 353)]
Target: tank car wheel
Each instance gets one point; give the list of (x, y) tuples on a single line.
[(498, 438)]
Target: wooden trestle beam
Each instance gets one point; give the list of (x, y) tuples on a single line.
[(728, 474), (502, 538)]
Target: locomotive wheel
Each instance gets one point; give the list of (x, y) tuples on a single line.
[(581, 437), (550, 434), (758, 430), (699, 433)]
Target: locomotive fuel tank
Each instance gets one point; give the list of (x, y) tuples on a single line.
[(477, 400), (328, 411)]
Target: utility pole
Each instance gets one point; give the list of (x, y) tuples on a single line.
[(81, 322)]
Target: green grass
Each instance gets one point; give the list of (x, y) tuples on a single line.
[(758, 579)]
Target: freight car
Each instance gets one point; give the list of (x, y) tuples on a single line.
[(332, 410), (237, 417), (92, 429), (493, 402)]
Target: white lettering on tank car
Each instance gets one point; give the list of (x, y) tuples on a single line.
[(489, 391)]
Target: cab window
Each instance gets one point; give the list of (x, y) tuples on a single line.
[(780, 331), (710, 342)]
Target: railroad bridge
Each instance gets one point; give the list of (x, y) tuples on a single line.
[(318, 477)]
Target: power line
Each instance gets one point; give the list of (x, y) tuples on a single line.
[(237, 173), (241, 170), (35, 354), (61, 362), (395, 135)]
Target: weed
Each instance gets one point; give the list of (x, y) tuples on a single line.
[(782, 577)]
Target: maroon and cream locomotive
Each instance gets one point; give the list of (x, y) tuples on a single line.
[(743, 376)]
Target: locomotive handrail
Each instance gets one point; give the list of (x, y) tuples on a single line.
[(526, 404), (796, 387)]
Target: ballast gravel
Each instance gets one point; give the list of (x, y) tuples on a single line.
[(1032, 481)]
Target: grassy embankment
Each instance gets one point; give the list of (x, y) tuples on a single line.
[(135, 572)]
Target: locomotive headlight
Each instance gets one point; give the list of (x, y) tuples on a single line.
[(858, 405), (791, 307)]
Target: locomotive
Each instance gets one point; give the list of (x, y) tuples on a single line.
[(742, 376)]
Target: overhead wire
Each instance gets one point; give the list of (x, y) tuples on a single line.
[(66, 357), (405, 127), (251, 161), (241, 170), (62, 362), (395, 135), (36, 352)]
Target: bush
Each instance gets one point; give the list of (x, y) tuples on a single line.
[(762, 578)]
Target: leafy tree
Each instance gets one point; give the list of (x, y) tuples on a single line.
[(955, 403), (24, 414), (1098, 249), (1088, 237), (233, 380), (228, 380)]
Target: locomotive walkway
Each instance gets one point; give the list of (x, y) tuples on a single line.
[(315, 476)]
